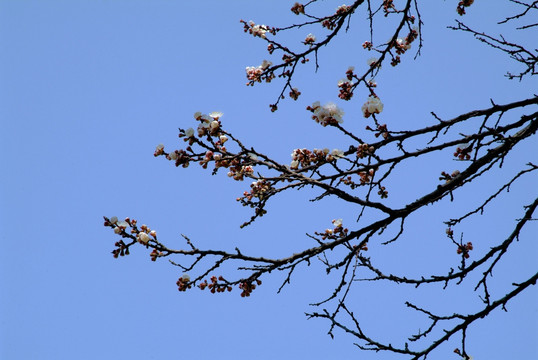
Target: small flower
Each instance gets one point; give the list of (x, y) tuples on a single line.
[(215, 115), (337, 223), (173, 155), (186, 278), (153, 233), (159, 150), (113, 219), (122, 224), (117, 230), (252, 156), (223, 139), (294, 164), (310, 39), (337, 153), (142, 238), (214, 124), (197, 115), (189, 132), (372, 106)]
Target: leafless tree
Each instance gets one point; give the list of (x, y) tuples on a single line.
[(480, 141)]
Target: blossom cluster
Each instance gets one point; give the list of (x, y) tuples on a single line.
[(305, 157), (214, 286), (365, 177), (256, 30), (364, 150), (346, 89), (372, 106), (254, 73), (338, 232), (328, 114), (184, 283), (258, 189), (248, 287)]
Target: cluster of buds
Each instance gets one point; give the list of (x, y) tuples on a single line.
[(184, 283), (462, 152), (247, 287), (328, 114), (380, 130), (214, 286), (367, 45), (395, 60), (257, 190), (449, 177), (310, 39), (364, 150), (342, 9), (297, 8), (338, 232), (257, 30), (462, 5), (209, 124), (122, 249), (294, 94), (145, 234), (372, 106), (237, 171), (305, 157), (346, 89), (155, 254), (180, 157), (254, 73), (366, 176), (464, 249), (383, 193), (387, 6)]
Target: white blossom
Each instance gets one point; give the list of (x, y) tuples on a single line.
[(327, 113), (122, 224), (189, 132), (337, 222), (113, 219), (197, 115), (215, 115), (223, 139), (294, 164), (372, 106), (143, 237), (337, 153)]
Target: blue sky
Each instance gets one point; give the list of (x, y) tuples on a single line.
[(89, 88)]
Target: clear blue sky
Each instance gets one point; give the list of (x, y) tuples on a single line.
[(89, 88)]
